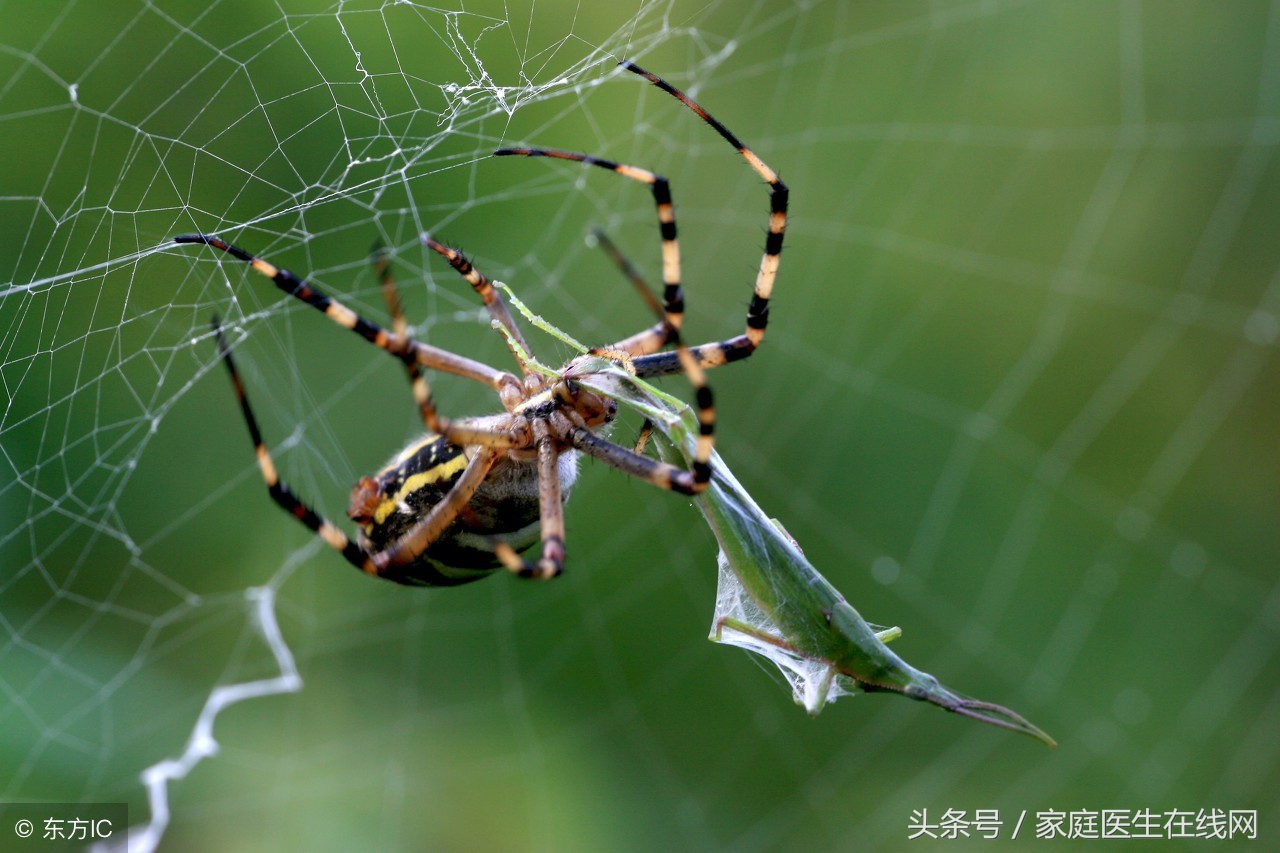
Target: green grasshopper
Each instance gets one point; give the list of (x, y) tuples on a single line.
[(802, 614)]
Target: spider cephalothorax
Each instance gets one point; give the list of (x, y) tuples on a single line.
[(470, 494)]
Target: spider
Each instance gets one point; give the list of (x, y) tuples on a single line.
[(467, 497)]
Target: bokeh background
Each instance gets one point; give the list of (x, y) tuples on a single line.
[(1018, 397)]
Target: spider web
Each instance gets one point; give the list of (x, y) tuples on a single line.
[(1018, 397)]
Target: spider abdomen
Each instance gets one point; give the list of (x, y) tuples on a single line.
[(503, 509)]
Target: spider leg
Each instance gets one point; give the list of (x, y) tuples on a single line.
[(685, 362), (417, 382), (715, 353), (642, 440), (706, 356), (672, 295), (656, 336), (279, 491), (551, 509), (740, 346), (492, 299), (660, 474), (408, 350), (405, 349)]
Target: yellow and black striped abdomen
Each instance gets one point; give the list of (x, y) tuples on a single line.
[(389, 504)]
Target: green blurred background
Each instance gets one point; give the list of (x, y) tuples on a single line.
[(1018, 397)]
